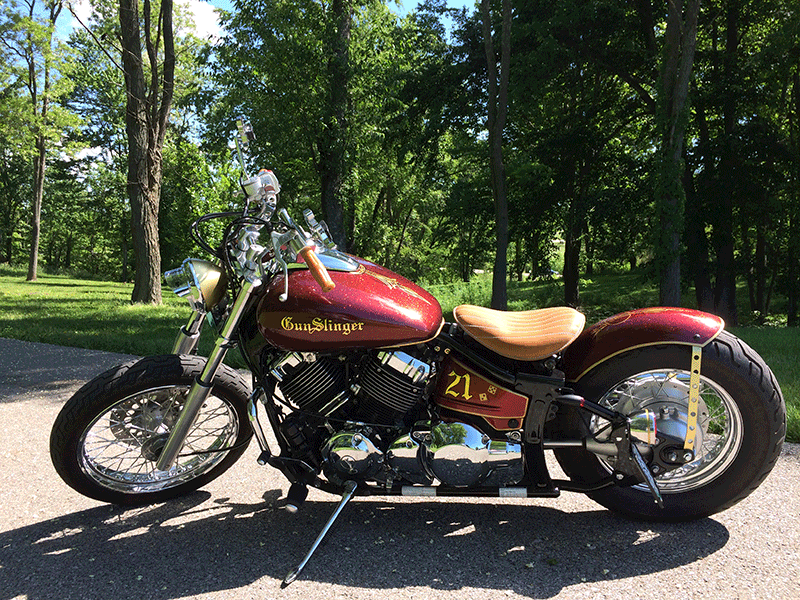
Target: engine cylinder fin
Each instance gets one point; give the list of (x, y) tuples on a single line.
[(394, 390), (311, 386)]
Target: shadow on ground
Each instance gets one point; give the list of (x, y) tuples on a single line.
[(198, 545)]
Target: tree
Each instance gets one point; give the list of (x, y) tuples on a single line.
[(146, 117), (581, 126), (497, 108), (335, 123), (14, 188), (288, 66), (739, 169), (671, 112), (29, 40)]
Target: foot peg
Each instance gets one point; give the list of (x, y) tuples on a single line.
[(295, 498), (349, 490)]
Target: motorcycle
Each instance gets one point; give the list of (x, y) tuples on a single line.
[(658, 413)]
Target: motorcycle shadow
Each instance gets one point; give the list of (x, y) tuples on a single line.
[(202, 545)]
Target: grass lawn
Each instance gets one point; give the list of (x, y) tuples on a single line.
[(87, 314), (98, 315)]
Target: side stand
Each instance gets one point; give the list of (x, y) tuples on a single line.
[(349, 490)]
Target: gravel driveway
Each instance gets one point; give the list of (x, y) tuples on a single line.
[(230, 540)]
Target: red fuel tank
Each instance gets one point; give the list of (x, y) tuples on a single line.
[(371, 307)]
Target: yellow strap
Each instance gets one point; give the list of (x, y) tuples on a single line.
[(694, 399)]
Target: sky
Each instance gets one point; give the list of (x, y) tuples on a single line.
[(206, 21)]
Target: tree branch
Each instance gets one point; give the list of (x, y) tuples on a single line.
[(96, 40), (628, 78)]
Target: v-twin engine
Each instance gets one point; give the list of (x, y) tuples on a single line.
[(368, 418)]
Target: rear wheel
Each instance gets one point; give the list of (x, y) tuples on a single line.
[(741, 426), (109, 435)]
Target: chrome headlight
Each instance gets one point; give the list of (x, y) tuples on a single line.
[(201, 282)]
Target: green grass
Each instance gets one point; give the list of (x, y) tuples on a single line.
[(780, 349), (87, 314), (98, 315)]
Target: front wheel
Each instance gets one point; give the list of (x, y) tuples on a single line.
[(740, 430), (107, 438)]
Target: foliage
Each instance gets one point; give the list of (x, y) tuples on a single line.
[(581, 147), (35, 78)]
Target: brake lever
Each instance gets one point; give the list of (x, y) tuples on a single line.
[(279, 240)]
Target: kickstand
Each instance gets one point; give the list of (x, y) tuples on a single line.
[(349, 490)]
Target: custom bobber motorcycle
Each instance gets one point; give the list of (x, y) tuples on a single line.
[(657, 413)]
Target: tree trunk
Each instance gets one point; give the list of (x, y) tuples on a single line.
[(497, 112), (70, 244), (725, 281), (402, 238), (794, 220), (146, 117), (332, 143), (589, 249), (793, 271), (697, 243), (124, 251), (678, 58), (571, 275), (144, 228), (761, 270), (725, 284), (41, 112), (40, 164)]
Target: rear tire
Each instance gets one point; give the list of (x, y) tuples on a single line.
[(108, 436), (744, 427)]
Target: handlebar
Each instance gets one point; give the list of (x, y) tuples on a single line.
[(318, 270), (264, 189)]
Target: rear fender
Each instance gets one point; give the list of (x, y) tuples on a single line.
[(635, 329)]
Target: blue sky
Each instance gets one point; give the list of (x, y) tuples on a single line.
[(206, 21)]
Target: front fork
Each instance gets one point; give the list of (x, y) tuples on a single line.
[(201, 388), (186, 342)]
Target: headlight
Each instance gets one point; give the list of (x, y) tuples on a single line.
[(201, 282)]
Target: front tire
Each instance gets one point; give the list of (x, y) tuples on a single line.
[(108, 436), (742, 426)]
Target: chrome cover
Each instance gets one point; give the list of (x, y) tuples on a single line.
[(644, 427), (460, 455), (405, 461), (284, 363), (351, 454), (665, 411), (416, 370)]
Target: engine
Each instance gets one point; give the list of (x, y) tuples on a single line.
[(366, 416), (385, 389)]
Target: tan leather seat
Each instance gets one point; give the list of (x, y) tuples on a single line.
[(525, 335)]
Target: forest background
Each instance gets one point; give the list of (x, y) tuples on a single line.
[(390, 126)]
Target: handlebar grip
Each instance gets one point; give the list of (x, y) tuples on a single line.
[(318, 270)]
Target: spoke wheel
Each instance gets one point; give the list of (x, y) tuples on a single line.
[(108, 437), (666, 394), (741, 426), (120, 448)]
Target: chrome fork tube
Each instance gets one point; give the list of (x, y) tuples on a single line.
[(201, 388), (189, 335)]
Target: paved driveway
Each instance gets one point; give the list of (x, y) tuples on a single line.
[(230, 540)]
